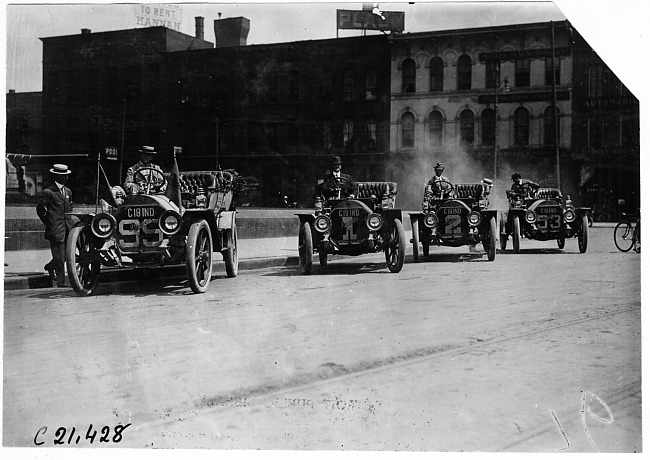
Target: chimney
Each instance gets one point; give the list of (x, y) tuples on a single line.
[(199, 27), (85, 31), (231, 31)]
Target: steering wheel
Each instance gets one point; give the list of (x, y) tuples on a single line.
[(442, 187), (152, 182), (337, 183)]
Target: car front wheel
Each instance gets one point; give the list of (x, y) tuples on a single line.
[(230, 256), (396, 248), (583, 235), (305, 249), (82, 261), (493, 237), (198, 257), (516, 234)]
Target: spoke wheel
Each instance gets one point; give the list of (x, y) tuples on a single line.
[(516, 234), (82, 261), (415, 231), (198, 257), (396, 247), (583, 235), (493, 238), (230, 256), (305, 248), (623, 236)]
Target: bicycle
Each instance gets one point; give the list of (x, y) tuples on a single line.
[(627, 235)]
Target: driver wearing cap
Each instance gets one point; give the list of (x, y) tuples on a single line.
[(439, 185), (135, 177)]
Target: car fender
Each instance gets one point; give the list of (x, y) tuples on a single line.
[(309, 218)]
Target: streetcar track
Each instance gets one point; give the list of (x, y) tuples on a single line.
[(255, 396)]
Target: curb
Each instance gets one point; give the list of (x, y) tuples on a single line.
[(39, 281)]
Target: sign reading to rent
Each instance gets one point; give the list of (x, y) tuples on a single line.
[(151, 15)]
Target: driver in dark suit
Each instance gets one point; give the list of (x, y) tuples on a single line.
[(336, 179), (133, 177)]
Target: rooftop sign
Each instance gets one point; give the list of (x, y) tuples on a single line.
[(151, 15), (370, 20)]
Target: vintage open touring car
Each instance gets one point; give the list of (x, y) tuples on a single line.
[(543, 215), (365, 223), (153, 228), (455, 215)]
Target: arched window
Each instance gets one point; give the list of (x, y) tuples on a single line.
[(348, 85), (371, 133), (488, 126), (467, 127), (464, 72), (348, 134), (522, 126), (435, 128), (408, 130), (435, 74), (408, 76), (549, 125), (371, 85)]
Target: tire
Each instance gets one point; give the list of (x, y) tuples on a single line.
[(82, 262), (516, 235), (623, 236), (305, 248), (415, 231), (322, 258), (198, 257), (396, 248), (561, 240), (583, 236), (230, 256), (493, 237), (503, 235)]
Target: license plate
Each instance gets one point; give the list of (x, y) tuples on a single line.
[(141, 212)]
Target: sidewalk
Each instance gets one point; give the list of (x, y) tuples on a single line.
[(24, 269)]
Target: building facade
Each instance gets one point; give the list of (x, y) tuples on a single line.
[(486, 102)]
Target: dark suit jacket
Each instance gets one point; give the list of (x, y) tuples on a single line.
[(51, 209), (349, 186)]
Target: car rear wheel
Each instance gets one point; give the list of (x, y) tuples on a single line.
[(493, 237), (198, 257), (396, 248), (305, 248), (583, 235), (516, 234), (415, 231), (230, 256), (82, 262)]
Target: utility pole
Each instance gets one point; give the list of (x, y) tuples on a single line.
[(556, 126)]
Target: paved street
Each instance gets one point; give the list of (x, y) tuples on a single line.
[(534, 351)]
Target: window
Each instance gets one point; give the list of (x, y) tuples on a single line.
[(327, 136), (549, 126), (488, 126), (326, 85), (371, 133), (464, 72), (595, 132), (522, 72), (435, 74), (348, 134), (348, 85), (408, 130), (549, 71), (630, 131), (467, 127), (596, 81), (294, 87), (611, 130), (491, 74), (371, 85), (408, 76), (435, 128), (522, 126)]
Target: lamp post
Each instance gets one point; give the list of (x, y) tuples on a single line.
[(499, 84)]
